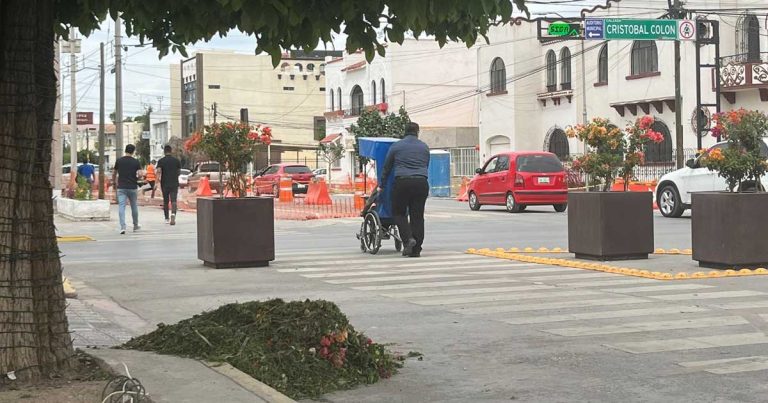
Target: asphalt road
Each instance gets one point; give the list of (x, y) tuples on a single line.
[(489, 329)]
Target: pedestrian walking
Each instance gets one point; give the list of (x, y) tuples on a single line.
[(408, 161), (126, 176), (87, 171), (150, 177), (169, 168)]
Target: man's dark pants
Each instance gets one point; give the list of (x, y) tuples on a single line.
[(170, 193), (409, 195)]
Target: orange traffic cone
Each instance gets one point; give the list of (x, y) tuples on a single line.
[(319, 194), (204, 188), (463, 196), (286, 189)]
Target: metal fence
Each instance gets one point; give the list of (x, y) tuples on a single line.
[(464, 161)]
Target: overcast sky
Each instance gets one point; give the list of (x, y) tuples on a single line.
[(146, 77)]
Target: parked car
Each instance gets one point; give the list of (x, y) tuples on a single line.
[(518, 180), (267, 181), (209, 169), (320, 172), (184, 177), (673, 192)]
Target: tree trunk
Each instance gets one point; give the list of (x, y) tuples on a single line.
[(34, 337)]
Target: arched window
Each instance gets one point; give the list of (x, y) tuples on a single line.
[(333, 101), (373, 91), (558, 144), (551, 71), (338, 97), (661, 152), (284, 67), (299, 67), (383, 92), (602, 65), (748, 37), (358, 100), (310, 68), (498, 76), (565, 69), (645, 57)]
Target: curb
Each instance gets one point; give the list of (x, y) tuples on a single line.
[(249, 383)]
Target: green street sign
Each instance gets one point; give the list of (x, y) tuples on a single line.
[(621, 28), (563, 29)]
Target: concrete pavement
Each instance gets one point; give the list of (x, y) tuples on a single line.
[(489, 329)]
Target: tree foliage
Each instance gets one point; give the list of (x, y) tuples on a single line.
[(371, 123), (286, 24), (331, 153)]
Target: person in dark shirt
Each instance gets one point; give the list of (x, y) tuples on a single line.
[(408, 160), (125, 174), (169, 168)]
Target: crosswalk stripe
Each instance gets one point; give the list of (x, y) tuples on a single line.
[(570, 276), (636, 327), (551, 305), (506, 297), (625, 313), (389, 259), (443, 266), (344, 274), (431, 284), (708, 295), (524, 271), (393, 278), (691, 343), (465, 291), (314, 252), (729, 365), (664, 287), (602, 283), (742, 305)]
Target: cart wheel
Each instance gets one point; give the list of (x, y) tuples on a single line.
[(371, 235), (398, 242)]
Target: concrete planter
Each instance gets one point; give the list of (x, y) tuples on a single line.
[(236, 232), (610, 225), (83, 210), (729, 229)]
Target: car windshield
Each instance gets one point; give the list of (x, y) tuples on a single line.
[(209, 167), (297, 169), (184, 172), (538, 163)]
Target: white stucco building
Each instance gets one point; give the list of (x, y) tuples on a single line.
[(535, 89), (436, 86)]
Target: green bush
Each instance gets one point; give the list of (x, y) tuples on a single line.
[(83, 189)]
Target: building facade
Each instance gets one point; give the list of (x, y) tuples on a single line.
[(215, 86), (434, 85), (534, 89)]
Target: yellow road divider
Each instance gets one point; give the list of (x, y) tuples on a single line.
[(525, 255), (74, 238)]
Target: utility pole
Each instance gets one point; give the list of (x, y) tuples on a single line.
[(72, 109), (675, 13), (213, 108), (583, 85), (101, 125), (118, 90)]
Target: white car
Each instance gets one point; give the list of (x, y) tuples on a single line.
[(184, 177), (673, 193)]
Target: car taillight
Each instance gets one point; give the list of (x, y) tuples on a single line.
[(519, 181)]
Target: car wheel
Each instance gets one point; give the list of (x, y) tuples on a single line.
[(511, 204), (669, 202), (474, 204), (523, 207), (560, 207)]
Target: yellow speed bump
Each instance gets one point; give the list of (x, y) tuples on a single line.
[(74, 238)]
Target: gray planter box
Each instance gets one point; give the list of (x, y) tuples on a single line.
[(610, 225), (236, 232), (83, 210), (729, 230)]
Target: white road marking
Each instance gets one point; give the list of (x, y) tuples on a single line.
[(625, 313), (635, 327), (465, 291), (394, 278), (662, 287), (729, 365), (707, 295), (432, 284), (691, 343), (506, 297), (551, 305)]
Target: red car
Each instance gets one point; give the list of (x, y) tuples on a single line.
[(268, 180), (518, 180)]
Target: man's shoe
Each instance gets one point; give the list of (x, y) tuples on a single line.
[(173, 219), (136, 228), (167, 221), (408, 246), (415, 254), (122, 232)]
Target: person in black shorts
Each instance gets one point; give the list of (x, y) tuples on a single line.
[(168, 168)]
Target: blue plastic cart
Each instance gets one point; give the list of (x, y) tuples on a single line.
[(378, 223)]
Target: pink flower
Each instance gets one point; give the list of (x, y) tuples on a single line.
[(645, 122)]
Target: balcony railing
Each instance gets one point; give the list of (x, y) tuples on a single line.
[(746, 70), (382, 107)]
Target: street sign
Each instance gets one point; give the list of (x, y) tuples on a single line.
[(145, 135), (686, 30), (594, 29), (83, 118), (563, 29), (623, 28)]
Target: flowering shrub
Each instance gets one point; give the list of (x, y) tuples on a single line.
[(741, 160), (233, 145), (613, 152)]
